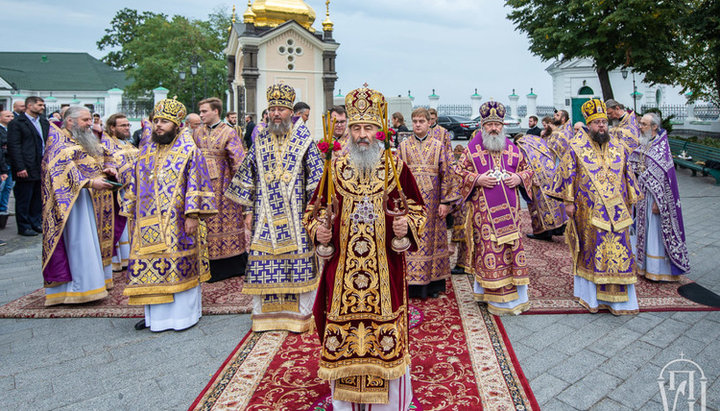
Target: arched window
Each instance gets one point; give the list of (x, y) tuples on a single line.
[(585, 91), (658, 97)]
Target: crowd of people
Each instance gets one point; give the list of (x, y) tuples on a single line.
[(336, 237)]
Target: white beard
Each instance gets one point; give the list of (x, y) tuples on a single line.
[(280, 129), (645, 138), (364, 158), (494, 142), (88, 141)]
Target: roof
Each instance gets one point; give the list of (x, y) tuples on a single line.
[(58, 72)]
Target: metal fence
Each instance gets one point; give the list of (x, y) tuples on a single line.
[(705, 112), (136, 108), (540, 111), (464, 110)]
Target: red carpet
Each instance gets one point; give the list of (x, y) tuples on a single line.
[(223, 297), (551, 281), (461, 359)]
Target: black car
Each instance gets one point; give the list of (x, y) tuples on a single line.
[(458, 126)]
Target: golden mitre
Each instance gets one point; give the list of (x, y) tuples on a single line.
[(594, 109), (363, 105), (280, 95), (171, 110)]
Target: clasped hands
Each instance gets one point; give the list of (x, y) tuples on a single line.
[(488, 181), (400, 229)]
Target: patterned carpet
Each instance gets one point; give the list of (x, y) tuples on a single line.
[(223, 297), (461, 358), (551, 281)]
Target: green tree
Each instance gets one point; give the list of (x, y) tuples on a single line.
[(123, 29), (696, 54), (156, 50), (613, 34)]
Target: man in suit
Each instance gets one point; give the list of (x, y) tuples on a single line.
[(27, 135)]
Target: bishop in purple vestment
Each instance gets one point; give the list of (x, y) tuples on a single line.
[(659, 241), (492, 168)]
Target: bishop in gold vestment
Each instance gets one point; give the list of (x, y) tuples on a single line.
[(598, 188), (168, 196)]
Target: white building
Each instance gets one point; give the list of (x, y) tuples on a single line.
[(575, 81), (61, 79)]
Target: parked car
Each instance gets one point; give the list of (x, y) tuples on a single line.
[(512, 126), (458, 126)]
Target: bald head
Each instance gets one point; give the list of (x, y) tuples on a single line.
[(19, 107), (193, 121), (6, 116)]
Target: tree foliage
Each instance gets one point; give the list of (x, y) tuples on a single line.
[(696, 56), (155, 48), (613, 34)]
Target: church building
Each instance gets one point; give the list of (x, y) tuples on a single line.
[(276, 42)]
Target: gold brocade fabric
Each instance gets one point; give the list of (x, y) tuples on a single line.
[(597, 180), (627, 131), (66, 169), (497, 267), (365, 329), (223, 150), (169, 184), (430, 165)]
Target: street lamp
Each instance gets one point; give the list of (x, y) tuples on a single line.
[(624, 73)]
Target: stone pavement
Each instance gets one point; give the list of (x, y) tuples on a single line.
[(580, 361)]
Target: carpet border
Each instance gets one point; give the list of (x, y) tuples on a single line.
[(219, 370)]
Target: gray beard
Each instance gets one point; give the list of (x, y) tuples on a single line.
[(600, 138), (615, 122), (364, 158), (86, 139), (494, 142), (280, 129), (645, 137)]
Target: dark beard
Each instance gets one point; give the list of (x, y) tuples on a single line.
[(165, 138), (600, 138), (557, 122)]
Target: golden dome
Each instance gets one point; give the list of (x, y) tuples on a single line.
[(272, 13)]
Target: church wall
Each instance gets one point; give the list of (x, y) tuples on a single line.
[(305, 76)]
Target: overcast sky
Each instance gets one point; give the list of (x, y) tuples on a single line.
[(452, 46)]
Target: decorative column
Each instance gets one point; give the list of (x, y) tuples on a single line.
[(113, 101), (690, 108), (434, 100), (514, 105), (250, 74), (159, 94), (531, 106), (475, 103), (329, 77)]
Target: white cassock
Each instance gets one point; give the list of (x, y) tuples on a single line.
[(80, 236)]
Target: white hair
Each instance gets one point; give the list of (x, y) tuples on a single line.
[(73, 112)]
